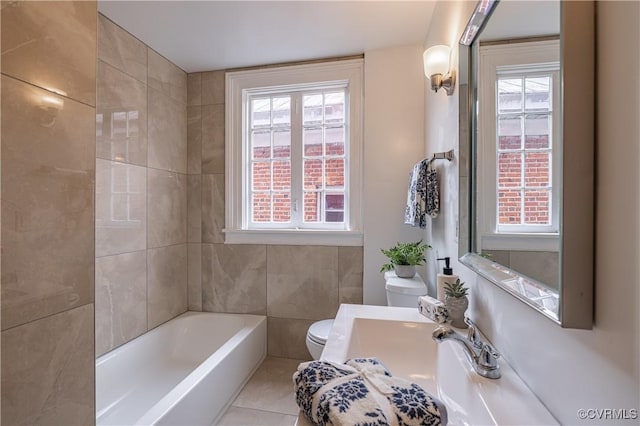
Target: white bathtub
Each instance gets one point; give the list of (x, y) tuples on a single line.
[(184, 372)]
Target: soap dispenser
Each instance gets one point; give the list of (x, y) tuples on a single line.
[(445, 277)]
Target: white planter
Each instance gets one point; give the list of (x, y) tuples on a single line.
[(457, 306), (405, 271)]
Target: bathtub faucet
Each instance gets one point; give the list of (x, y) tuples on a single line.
[(482, 356)]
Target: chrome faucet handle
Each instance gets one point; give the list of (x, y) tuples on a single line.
[(490, 350), (472, 333), (487, 362), (488, 356)]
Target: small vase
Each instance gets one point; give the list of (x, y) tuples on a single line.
[(405, 271), (456, 307)]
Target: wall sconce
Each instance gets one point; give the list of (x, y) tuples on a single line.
[(436, 67)]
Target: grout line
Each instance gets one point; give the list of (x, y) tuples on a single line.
[(49, 91), (116, 68), (124, 252), (285, 358), (169, 245), (124, 163), (259, 410), (165, 170), (146, 242), (72, 308)]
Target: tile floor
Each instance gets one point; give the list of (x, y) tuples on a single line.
[(267, 399)]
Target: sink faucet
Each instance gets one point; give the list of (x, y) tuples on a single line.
[(482, 356)]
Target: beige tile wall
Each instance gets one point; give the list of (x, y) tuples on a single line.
[(293, 285), (47, 181), (48, 155), (234, 278), (166, 283), (121, 299), (142, 189), (114, 89)]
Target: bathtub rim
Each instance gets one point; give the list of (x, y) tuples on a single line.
[(114, 352)]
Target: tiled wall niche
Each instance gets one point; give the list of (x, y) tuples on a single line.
[(293, 285), (48, 174), (141, 188)]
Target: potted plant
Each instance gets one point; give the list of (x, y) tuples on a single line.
[(456, 302), (404, 257)]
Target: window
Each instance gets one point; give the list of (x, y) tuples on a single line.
[(524, 149), (316, 197), (293, 150), (519, 168)]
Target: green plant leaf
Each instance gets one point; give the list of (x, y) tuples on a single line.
[(405, 254), (456, 289)]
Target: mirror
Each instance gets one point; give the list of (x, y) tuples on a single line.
[(526, 88)]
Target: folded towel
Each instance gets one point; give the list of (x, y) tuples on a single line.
[(422, 195), (362, 392), (433, 309)]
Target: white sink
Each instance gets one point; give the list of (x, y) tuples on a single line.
[(386, 340), (401, 339)]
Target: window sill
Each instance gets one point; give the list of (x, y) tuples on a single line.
[(296, 237), (531, 242)]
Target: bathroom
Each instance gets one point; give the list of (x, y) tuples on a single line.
[(63, 254)]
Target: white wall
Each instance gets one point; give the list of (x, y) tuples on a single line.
[(393, 143), (569, 369)]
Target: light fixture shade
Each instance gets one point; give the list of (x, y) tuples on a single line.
[(436, 60)]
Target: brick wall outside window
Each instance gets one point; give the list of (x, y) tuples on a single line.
[(322, 163), (277, 175), (510, 179), (524, 150)]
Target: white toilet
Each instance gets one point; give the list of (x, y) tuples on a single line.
[(317, 337), (402, 292)]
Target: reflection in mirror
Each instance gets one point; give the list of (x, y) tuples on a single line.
[(512, 114), (519, 139)]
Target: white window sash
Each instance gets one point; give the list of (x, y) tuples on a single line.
[(297, 166), (535, 58), (276, 80)]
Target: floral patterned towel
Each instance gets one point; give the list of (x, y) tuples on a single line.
[(423, 197), (362, 392)]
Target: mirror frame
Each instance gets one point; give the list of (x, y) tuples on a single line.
[(577, 34)]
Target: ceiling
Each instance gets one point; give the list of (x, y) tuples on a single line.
[(211, 35), (517, 19)]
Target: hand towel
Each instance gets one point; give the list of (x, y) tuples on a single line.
[(422, 195), (432, 192), (433, 309), (362, 392)]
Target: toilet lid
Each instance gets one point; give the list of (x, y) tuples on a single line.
[(319, 331)]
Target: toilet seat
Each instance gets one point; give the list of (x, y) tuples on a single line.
[(319, 331)]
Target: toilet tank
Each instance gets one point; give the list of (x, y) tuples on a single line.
[(404, 292)]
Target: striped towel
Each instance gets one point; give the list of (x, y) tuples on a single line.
[(362, 392)]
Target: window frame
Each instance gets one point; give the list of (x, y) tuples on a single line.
[(528, 57), (239, 86), (297, 159)]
